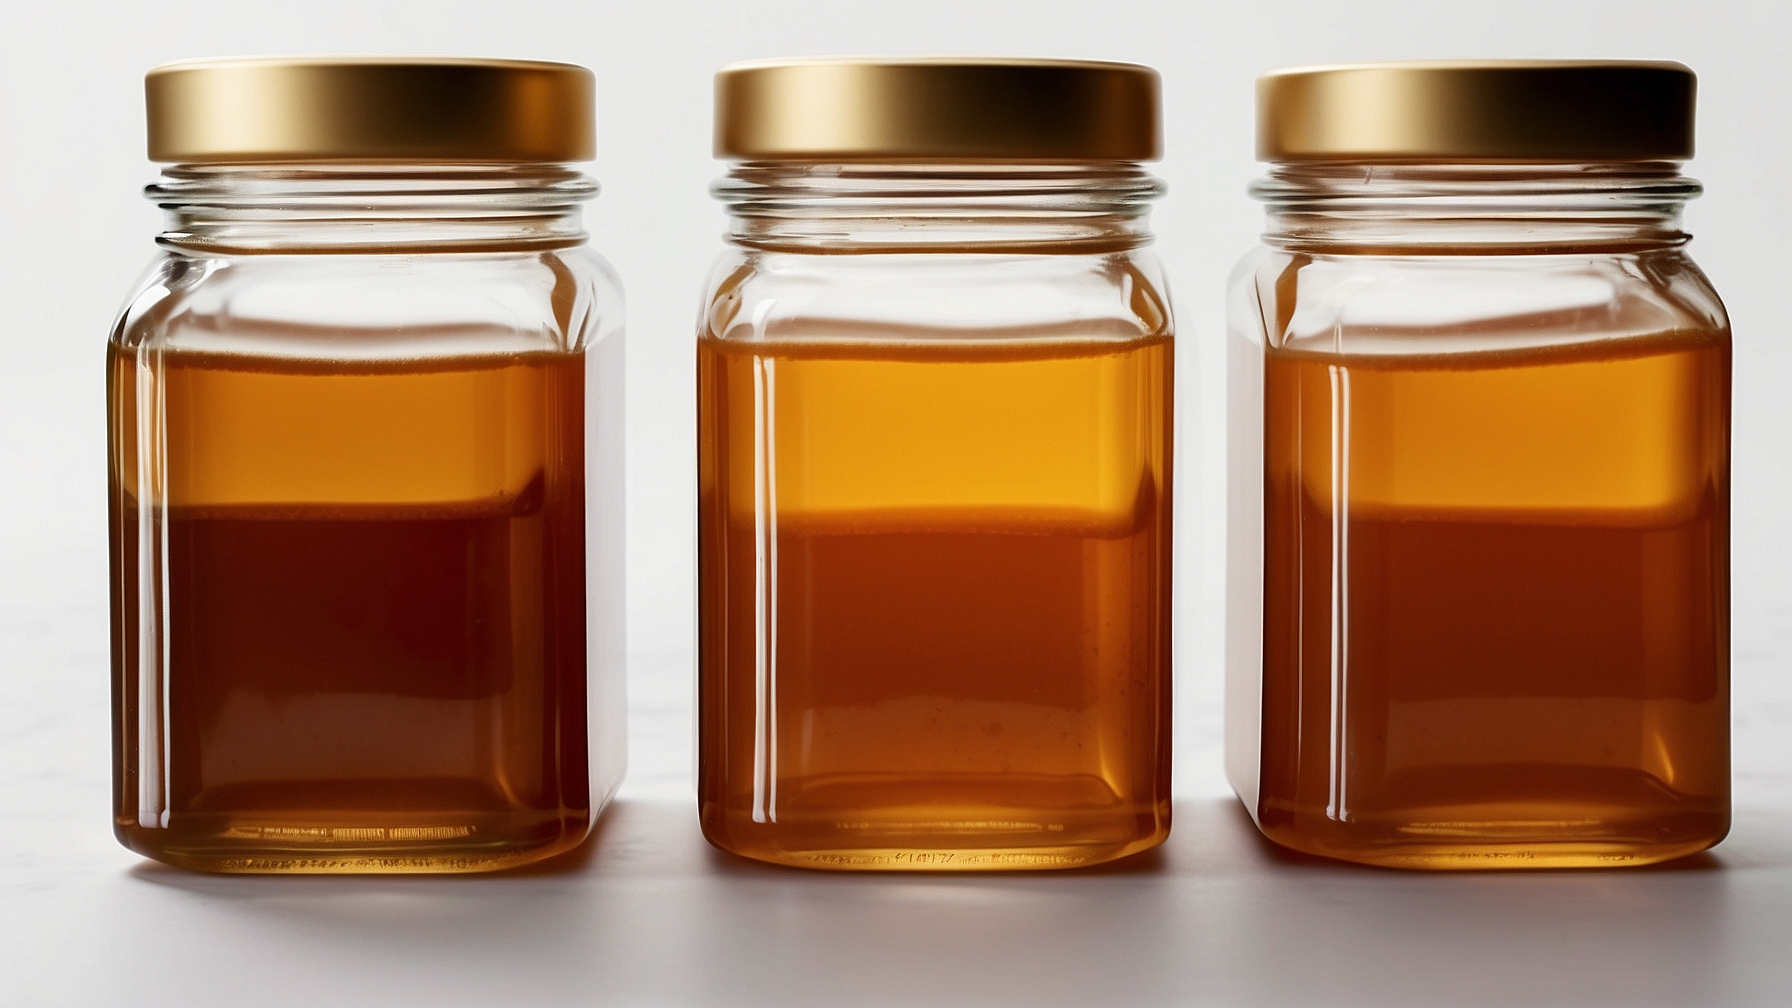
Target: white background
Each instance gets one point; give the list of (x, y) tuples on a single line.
[(647, 915)]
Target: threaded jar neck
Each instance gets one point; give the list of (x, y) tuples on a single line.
[(1436, 209), (967, 207), (371, 208)]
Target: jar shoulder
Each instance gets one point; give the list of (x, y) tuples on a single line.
[(756, 295), (373, 305), (1338, 303)]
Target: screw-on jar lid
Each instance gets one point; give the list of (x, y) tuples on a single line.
[(1467, 111), (945, 108), (369, 108)]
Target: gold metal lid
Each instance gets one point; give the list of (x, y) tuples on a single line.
[(369, 108), (936, 108), (1467, 111)]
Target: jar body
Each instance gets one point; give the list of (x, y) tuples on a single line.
[(353, 550), (934, 544), (1495, 478)]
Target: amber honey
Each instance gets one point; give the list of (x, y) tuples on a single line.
[(934, 591), (372, 581), (1496, 604)]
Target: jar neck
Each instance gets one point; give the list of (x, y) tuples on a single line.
[(370, 208), (1362, 208), (856, 207)]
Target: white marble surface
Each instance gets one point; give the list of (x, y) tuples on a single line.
[(648, 915)]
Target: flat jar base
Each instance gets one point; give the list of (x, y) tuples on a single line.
[(957, 859), (1505, 846), (827, 846), (264, 845)]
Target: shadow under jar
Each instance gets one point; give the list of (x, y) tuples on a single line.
[(1495, 455), (349, 448), (934, 379)]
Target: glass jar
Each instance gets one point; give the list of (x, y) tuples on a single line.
[(1494, 397), (354, 404), (934, 374)]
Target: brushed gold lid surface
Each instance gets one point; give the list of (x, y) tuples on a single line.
[(936, 108), (1547, 111), (369, 108)]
